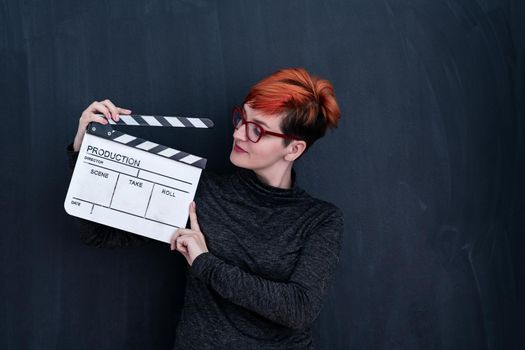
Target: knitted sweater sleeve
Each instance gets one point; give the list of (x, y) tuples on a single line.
[(294, 303), (98, 235)]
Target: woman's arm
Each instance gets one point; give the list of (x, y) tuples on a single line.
[(295, 303)]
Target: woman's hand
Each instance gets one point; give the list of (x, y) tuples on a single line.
[(107, 108), (190, 242)]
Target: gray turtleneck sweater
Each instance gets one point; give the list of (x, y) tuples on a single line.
[(272, 255)]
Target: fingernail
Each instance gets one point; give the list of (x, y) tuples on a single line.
[(193, 205)]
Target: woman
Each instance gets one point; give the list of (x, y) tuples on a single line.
[(261, 251)]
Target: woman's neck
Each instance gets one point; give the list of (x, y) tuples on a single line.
[(280, 177)]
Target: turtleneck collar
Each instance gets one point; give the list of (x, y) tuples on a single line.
[(266, 192)]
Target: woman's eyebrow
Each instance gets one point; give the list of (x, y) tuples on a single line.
[(256, 120), (261, 122)]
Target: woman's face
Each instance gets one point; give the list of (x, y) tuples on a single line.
[(265, 153)]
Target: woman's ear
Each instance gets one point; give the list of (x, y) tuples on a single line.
[(295, 149)]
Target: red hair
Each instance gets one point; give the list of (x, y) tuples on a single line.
[(308, 103)]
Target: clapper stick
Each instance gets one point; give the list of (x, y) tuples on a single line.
[(157, 120), (106, 132)]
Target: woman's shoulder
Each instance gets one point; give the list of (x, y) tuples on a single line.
[(332, 213), (324, 207), (326, 215)]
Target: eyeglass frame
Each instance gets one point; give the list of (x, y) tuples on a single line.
[(263, 130)]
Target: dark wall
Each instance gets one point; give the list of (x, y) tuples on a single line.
[(427, 164)]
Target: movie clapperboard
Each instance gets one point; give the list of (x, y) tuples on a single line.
[(133, 184)]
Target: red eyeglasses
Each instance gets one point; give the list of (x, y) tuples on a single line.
[(254, 131)]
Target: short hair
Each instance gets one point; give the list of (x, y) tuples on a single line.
[(308, 103)]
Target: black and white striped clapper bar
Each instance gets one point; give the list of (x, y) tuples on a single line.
[(133, 184)]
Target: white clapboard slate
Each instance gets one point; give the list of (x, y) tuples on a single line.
[(133, 184)]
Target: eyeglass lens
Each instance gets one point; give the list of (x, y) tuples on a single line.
[(254, 131)]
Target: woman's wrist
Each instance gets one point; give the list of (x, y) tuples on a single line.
[(200, 264), (76, 144)]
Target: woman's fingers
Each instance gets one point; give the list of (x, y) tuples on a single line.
[(98, 107), (112, 109), (193, 218), (98, 119), (173, 241), (182, 246), (107, 108), (189, 243), (176, 235), (89, 116), (124, 110)]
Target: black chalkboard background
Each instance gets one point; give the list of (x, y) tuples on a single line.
[(427, 164)]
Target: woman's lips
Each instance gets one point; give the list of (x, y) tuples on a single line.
[(238, 149)]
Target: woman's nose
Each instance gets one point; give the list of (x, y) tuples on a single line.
[(240, 133)]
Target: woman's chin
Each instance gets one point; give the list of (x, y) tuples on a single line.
[(234, 159)]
